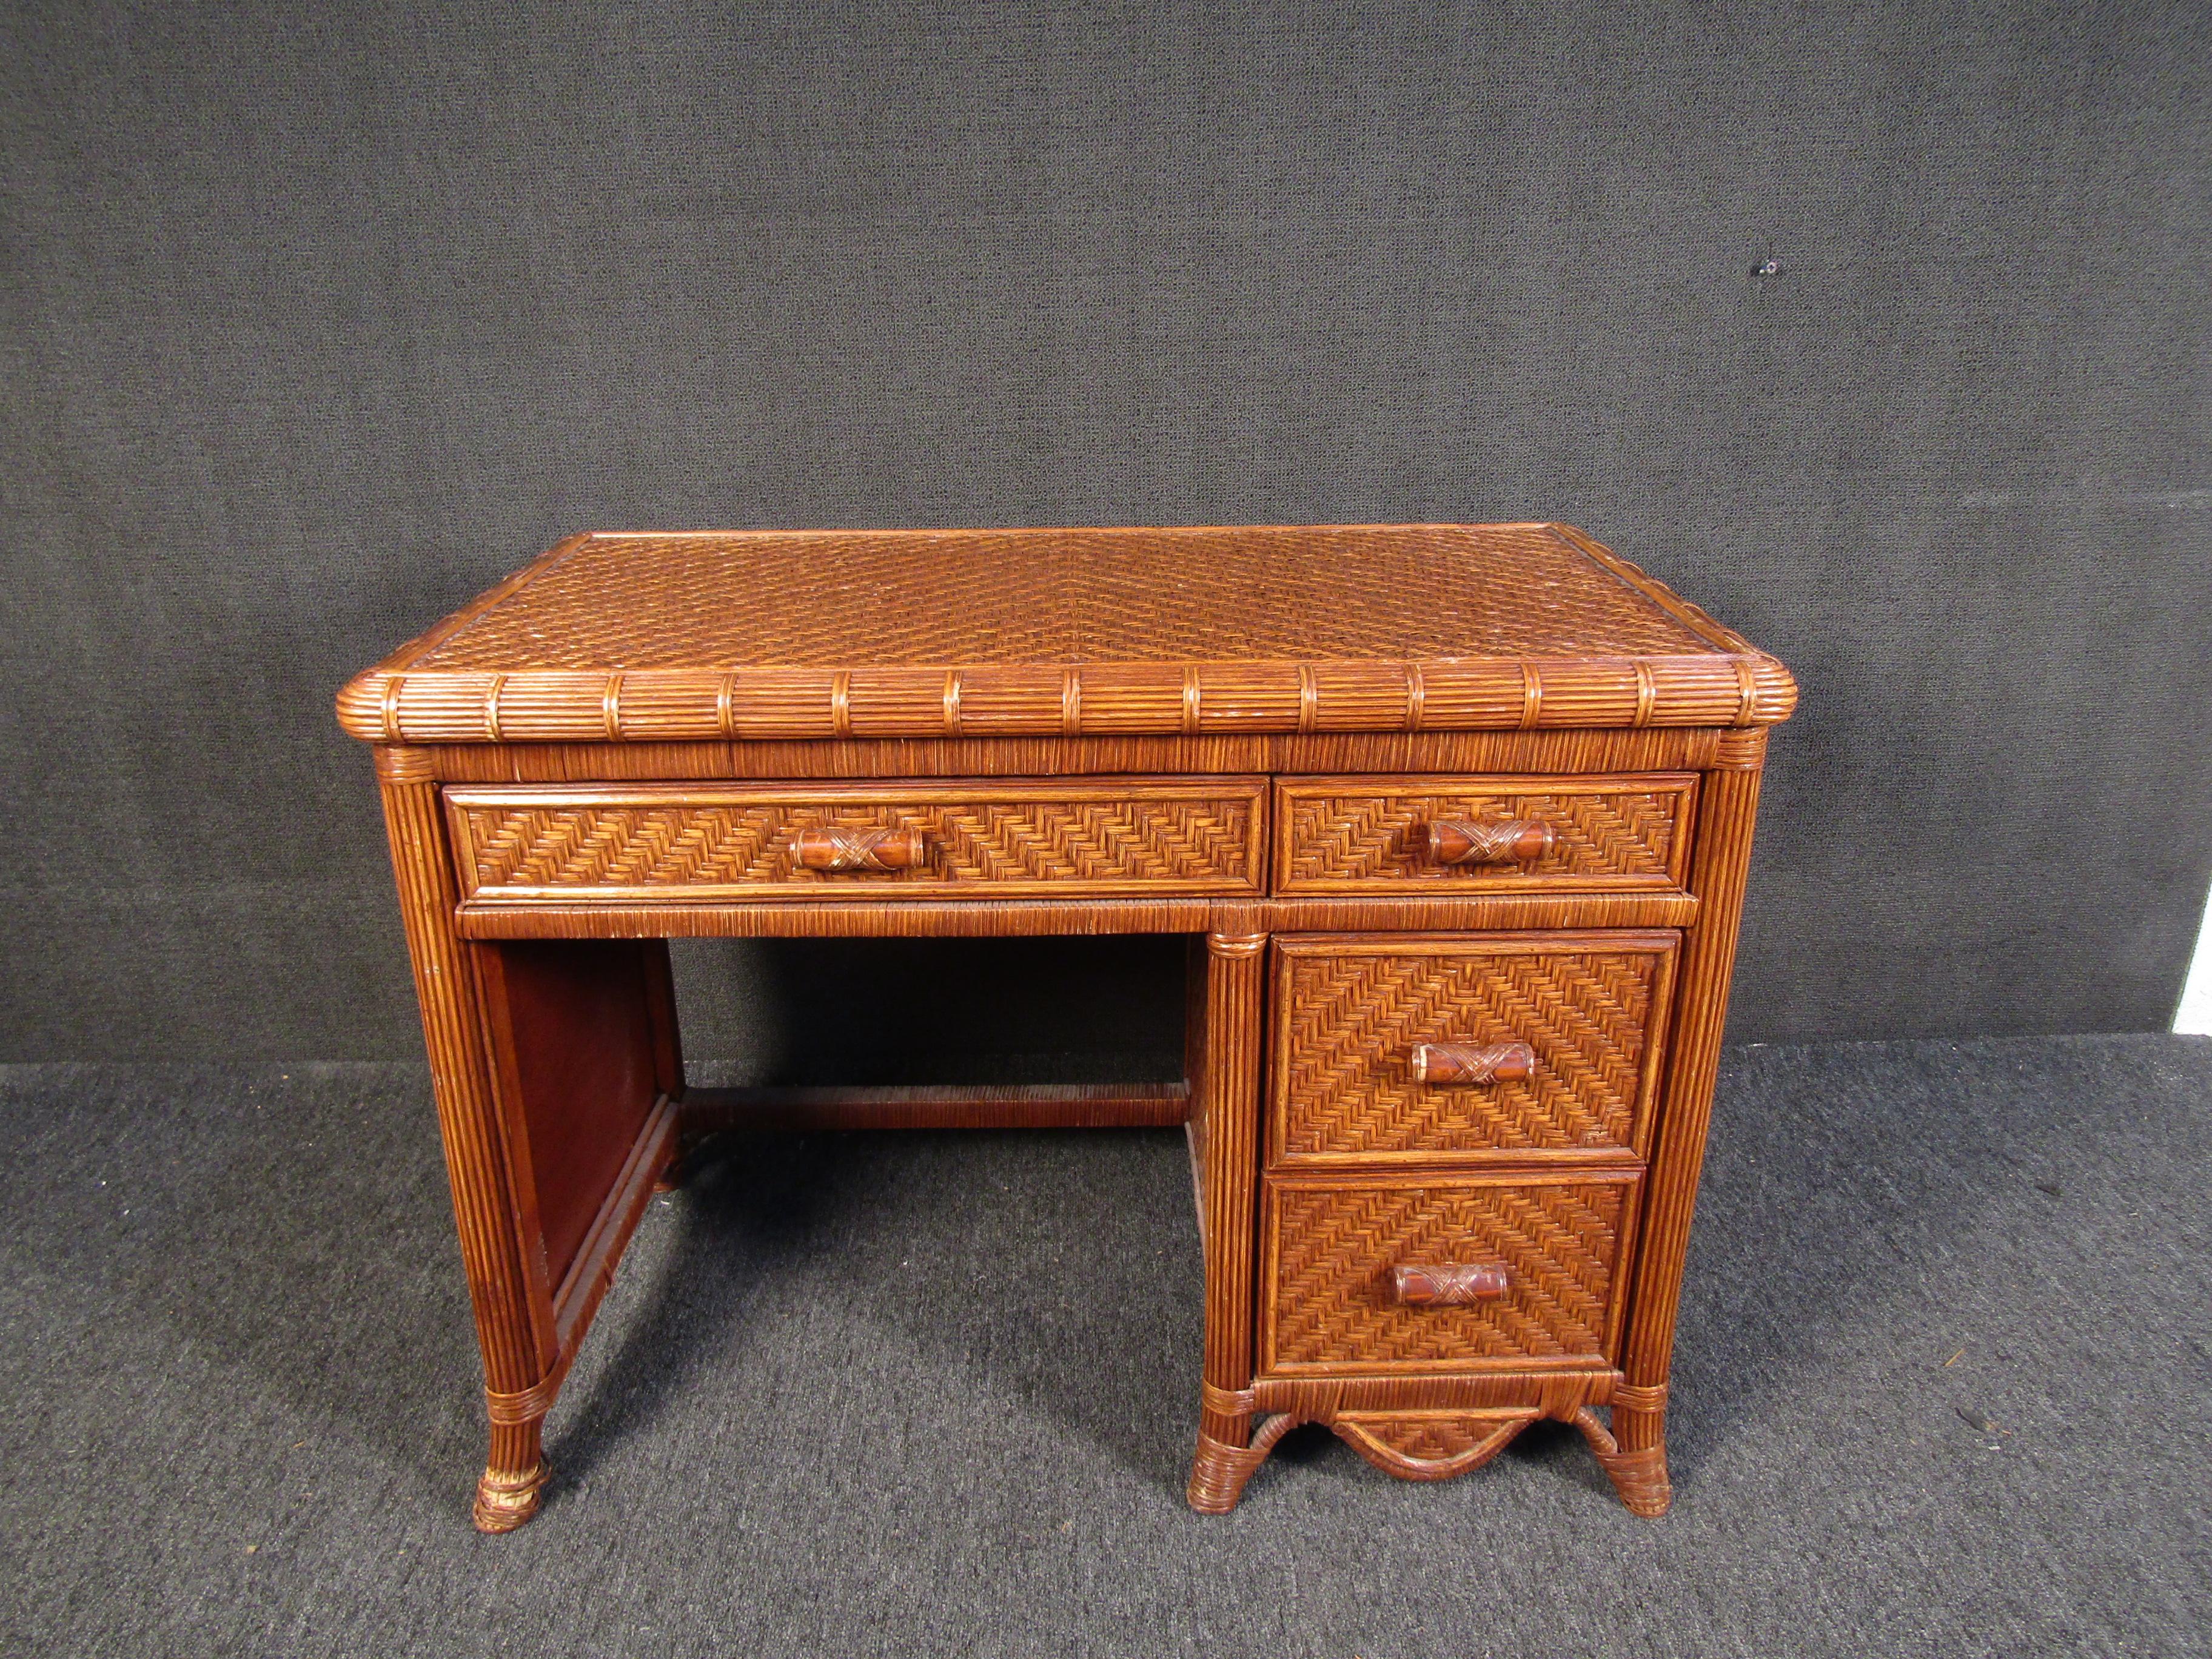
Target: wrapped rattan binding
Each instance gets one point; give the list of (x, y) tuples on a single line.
[(402, 705)]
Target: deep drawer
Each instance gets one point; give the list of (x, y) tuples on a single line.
[(1006, 838), (1368, 835), (1474, 1045), (1537, 1261)]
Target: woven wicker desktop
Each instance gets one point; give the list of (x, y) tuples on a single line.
[(1456, 817)]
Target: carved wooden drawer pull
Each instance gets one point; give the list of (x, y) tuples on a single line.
[(1462, 840), (1449, 1283), (835, 850), (1496, 1062)]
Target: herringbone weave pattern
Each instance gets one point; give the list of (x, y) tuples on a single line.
[(1428, 1438), (1356, 836), (1354, 1018), (1181, 843), (1335, 1247)]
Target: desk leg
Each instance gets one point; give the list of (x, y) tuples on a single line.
[(1225, 1082), (1637, 1461), (515, 1336)]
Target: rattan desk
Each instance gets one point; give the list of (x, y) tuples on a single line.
[(1456, 818)]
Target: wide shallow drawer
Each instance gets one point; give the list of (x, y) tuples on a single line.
[(1380, 835), (1542, 1253), (1065, 838), (1478, 1046)]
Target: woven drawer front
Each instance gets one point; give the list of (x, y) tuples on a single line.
[(704, 843), (1590, 1009), (1368, 835), (1330, 1248)]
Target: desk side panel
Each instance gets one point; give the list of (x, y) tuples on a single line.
[(573, 1026)]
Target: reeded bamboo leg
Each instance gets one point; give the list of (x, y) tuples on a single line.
[(513, 1321), (1635, 1453), (513, 1479), (1225, 1076)]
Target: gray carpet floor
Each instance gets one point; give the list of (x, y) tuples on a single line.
[(1941, 1388)]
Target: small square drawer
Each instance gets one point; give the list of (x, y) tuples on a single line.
[(1442, 1274), (1370, 835), (1473, 1047), (1001, 838)]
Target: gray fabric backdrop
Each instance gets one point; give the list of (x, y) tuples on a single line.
[(319, 320)]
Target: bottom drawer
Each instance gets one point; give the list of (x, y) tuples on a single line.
[(1522, 1270)]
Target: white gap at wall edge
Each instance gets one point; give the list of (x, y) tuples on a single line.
[(2194, 1016)]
